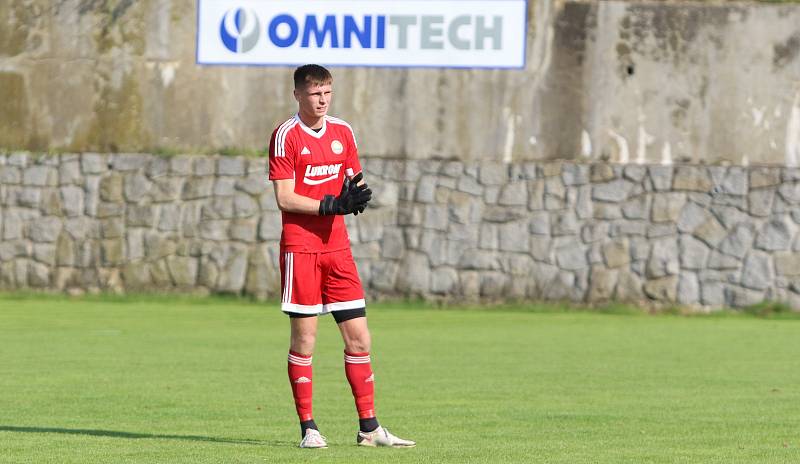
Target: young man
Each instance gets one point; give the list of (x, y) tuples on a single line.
[(317, 178)]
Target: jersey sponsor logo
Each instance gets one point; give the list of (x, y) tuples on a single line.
[(305, 151), (329, 170), (337, 147)]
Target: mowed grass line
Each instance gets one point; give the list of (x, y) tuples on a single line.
[(203, 381)]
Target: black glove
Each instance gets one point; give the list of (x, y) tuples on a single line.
[(353, 197)]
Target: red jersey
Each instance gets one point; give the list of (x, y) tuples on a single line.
[(318, 162)]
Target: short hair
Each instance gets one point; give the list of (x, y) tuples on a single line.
[(311, 74)]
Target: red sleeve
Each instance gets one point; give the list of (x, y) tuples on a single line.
[(352, 155), (281, 157)]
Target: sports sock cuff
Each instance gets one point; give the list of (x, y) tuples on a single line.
[(299, 359), (356, 358)]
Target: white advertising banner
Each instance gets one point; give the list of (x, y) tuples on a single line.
[(410, 33)]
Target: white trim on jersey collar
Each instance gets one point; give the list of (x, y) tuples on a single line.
[(311, 131)]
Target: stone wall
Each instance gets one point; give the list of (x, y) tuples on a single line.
[(620, 81), (440, 230)]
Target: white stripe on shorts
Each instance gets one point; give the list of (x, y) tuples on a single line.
[(288, 273), (340, 305)]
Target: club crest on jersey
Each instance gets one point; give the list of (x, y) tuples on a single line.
[(337, 147), (329, 170)]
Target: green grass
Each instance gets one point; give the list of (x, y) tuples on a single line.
[(171, 380)]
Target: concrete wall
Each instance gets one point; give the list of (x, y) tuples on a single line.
[(440, 230), (622, 81)]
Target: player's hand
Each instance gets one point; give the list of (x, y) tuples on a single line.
[(358, 177), (353, 197)]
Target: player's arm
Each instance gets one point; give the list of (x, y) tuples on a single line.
[(352, 198), (291, 202)]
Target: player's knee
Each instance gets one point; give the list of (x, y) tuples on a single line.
[(361, 343), (304, 342)]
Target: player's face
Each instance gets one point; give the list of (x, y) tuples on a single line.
[(314, 99)]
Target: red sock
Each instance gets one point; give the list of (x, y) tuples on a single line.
[(300, 379), (359, 374)]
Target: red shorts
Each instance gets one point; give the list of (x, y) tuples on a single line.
[(319, 283)]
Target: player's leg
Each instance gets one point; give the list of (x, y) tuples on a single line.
[(301, 301), (343, 296)]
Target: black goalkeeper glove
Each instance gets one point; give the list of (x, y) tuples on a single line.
[(352, 198)]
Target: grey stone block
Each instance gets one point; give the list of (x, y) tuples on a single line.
[(45, 229), (790, 192), (256, 184), (30, 197), (776, 235), (10, 175), (661, 230), (233, 273), (607, 211), (134, 239), (635, 173), (93, 163), (112, 228), (788, 264), (436, 217), (137, 187), (712, 293), (614, 191), (493, 174), (565, 224), (662, 289), (72, 200), (493, 284), (140, 216), (572, 258), (514, 194), (594, 232), (535, 195), (711, 232), (197, 187), (170, 218), (764, 177), (736, 181), (413, 276), (760, 202), (692, 178), (663, 260), (602, 283), (694, 253), (110, 188), (575, 174), (166, 189), (183, 270), (112, 252), (757, 271), (244, 205), (637, 207), (157, 167), (214, 229), (514, 236), (69, 173), (392, 244), (231, 166), (717, 260), (667, 207), (426, 189), (738, 241), (243, 230), (601, 173), (738, 297), (128, 161), (224, 186), (468, 184), (270, 227), (660, 177), (38, 275), (384, 276), (688, 288)]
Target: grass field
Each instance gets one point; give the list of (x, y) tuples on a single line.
[(204, 381)]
